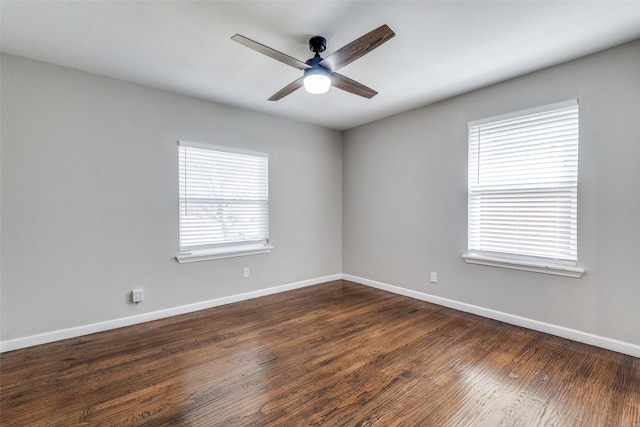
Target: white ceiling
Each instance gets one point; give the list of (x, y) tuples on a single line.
[(441, 48)]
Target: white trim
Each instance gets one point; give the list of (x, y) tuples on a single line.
[(211, 147), (223, 252), (560, 331), (77, 331), (558, 270), (535, 110)]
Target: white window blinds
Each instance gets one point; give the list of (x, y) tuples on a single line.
[(523, 177), (224, 198)]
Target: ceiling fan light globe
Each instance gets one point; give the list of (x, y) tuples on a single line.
[(317, 81)]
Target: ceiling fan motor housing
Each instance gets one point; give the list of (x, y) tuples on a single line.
[(315, 62), (316, 68)]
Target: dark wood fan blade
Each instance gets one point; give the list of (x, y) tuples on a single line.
[(345, 83), (357, 48), (266, 50), (288, 89)]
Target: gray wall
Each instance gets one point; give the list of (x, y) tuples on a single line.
[(89, 199), (405, 199)]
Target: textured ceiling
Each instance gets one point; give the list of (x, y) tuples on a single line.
[(441, 48)]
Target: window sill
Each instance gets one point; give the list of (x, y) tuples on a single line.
[(227, 252), (558, 270)]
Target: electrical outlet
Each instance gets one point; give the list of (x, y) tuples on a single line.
[(247, 272), (136, 295), (434, 277)]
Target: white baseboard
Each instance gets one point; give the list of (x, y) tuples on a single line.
[(560, 331), (62, 334), (572, 334)]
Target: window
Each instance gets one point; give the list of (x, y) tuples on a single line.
[(224, 202), (523, 190)]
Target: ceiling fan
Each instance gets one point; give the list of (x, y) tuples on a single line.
[(320, 73)]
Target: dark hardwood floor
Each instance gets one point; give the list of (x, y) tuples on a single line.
[(337, 354)]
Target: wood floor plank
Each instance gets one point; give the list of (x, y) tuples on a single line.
[(336, 354)]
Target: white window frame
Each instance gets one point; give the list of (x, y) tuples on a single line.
[(478, 252), (216, 247)]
